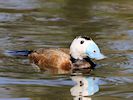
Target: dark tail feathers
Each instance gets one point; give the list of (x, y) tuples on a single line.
[(18, 52)]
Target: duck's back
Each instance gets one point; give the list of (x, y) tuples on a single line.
[(54, 59)]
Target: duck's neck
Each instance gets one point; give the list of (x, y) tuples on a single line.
[(86, 59), (91, 62), (73, 59)]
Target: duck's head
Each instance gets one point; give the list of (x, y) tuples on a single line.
[(82, 47)]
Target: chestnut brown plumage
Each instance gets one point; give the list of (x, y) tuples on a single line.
[(51, 59)]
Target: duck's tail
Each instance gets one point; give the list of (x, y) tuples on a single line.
[(18, 52)]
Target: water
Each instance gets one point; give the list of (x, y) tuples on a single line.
[(31, 24)]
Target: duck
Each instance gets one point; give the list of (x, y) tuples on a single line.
[(63, 60)]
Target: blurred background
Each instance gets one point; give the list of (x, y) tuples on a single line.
[(31, 24)]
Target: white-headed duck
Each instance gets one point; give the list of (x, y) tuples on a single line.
[(82, 49)]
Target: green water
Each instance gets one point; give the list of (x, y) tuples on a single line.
[(31, 24)]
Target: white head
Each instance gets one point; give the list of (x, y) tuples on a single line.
[(82, 47)]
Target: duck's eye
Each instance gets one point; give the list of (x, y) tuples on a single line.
[(94, 51), (81, 42)]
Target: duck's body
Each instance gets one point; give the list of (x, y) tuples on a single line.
[(58, 61), (65, 60), (51, 59)]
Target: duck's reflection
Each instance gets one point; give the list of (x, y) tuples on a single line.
[(85, 86)]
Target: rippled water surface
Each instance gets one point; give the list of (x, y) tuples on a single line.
[(31, 24)]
